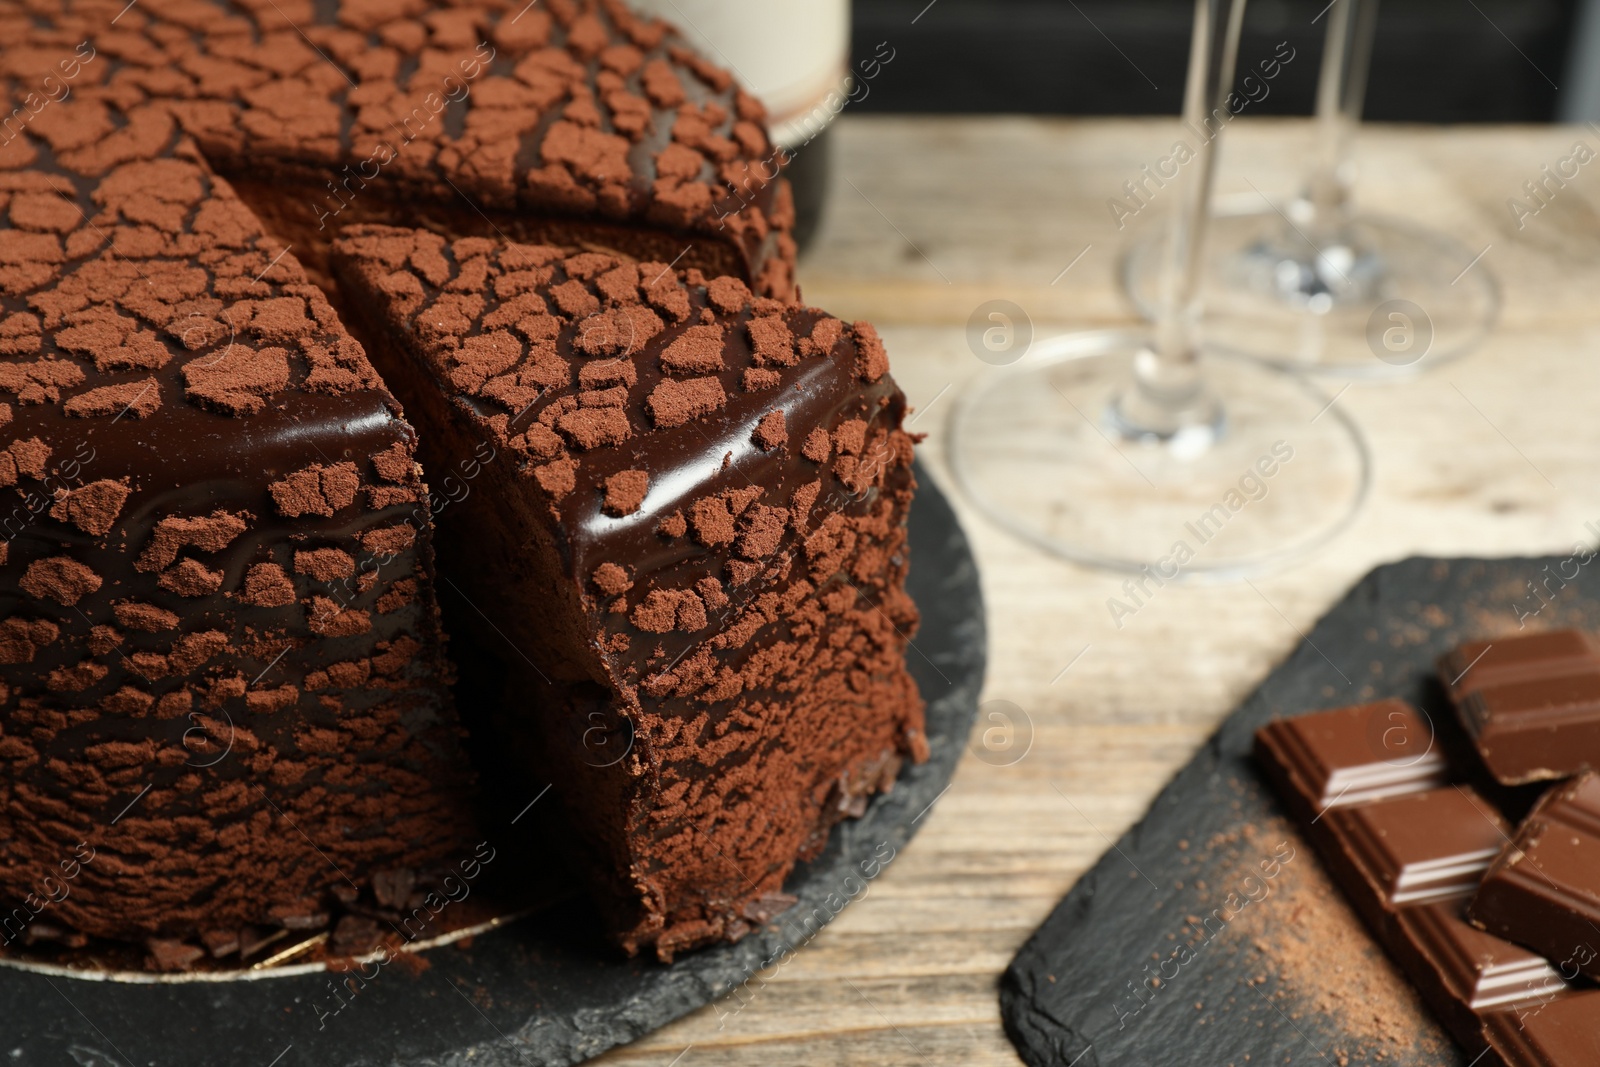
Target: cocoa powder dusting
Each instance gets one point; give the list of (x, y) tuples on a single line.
[(1315, 956)]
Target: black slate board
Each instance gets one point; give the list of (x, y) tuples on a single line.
[(541, 992), (1073, 994)]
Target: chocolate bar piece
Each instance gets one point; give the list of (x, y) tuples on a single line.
[(1462, 971), (1544, 889), (1351, 755), (1413, 849), (1565, 1032), (1477, 664), (1531, 704)]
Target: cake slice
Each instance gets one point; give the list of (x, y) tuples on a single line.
[(224, 710), (682, 536)]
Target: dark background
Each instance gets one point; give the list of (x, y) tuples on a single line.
[(1433, 61)]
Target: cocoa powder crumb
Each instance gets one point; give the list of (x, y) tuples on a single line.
[(393, 464), (146, 617), (29, 457), (770, 432), (759, 379), (674, 402), (267, 586), (324, 564), (872, 359), (92, 508), (589, 428), (698, 350), (772, 342), (389, 541), (210, 533), (326, 618), (558, 477), (825, 335), (190, 578), (316, 490), (728, 294), (611, 579), (599, 373), (850, 436), (818, 446), (712, 521), (625, 491), (238, 381), (59, 578), (138, 400)]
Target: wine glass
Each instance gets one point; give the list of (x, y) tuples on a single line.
[(1151, 453), (1313, 283)]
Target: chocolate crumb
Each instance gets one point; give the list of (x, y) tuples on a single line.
[(93, 508), (625, 491), (770, 431)]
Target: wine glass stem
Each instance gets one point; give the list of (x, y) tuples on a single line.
[(1341, 90), (1168, 392)]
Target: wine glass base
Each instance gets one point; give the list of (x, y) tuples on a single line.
[(1388, 300), (1034, 447)]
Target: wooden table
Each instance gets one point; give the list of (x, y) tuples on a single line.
[(1493, 455)]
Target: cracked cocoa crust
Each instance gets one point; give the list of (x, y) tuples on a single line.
[(707, 490), (575, 121)]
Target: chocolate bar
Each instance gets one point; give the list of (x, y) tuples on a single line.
[(1462, 971), (1563, 1031), (1409, 863), (1530, 704), (1351, 755), (1416, 848), (1529, 657), (1544, 890)]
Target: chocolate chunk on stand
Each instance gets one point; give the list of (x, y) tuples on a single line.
[(1544, 889), (1477, 664), (1531, 704), (1351, 755), (1564, 1031), (1416, 848), (1462, 971)]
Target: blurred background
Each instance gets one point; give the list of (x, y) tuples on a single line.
[(1434, 61)]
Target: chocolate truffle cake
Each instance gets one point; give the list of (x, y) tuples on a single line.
[(670, 504), (704, 493)]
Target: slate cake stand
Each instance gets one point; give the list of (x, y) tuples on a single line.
[(542, 991), (1260, 989)]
